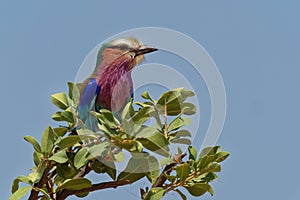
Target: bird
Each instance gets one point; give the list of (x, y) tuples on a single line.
[(110, 86)]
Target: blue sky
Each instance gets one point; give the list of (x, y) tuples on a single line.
[(255, 44)]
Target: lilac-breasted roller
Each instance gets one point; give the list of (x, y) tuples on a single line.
[(110, 85)]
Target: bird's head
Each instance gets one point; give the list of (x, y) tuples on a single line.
[(130, 47)]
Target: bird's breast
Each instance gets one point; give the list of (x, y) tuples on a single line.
[(115, 92)]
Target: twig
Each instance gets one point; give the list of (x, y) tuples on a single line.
[(165, 120), (49, 189), (167, 170), (143, 192), (99, 186), (52, 174), (34, 192)]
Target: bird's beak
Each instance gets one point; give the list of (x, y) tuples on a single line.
[(145, 49)]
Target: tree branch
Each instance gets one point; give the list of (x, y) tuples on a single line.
[(167, 170), (99, 186), (34, 192)]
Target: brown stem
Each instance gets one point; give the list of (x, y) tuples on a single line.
[(162, 178), (51, 174), (167, 170), (142, 192), (49, 189), (165, 120), (44, 179), (172, 186), (99, 186)]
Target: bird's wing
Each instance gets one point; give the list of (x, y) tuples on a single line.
[(88, 98)]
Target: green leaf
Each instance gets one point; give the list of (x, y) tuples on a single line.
[(165, 161), (81, 195), (221, 156), (213, 167), (128, 111), (192, 153), (60, 131), (199, 189), (59, 157), (86, 135), (105, 167), (168, 97), (66, 170), (58, 140), (171, 100), (15, 185), (105, 116), (142, 115), (210, 151), (207, 177), (155, 193), (146, 95), (74, 93), (69, 115), (96, 150), (58, 117), (130, 145), (205, 161), (192, 164), (144, 104), (86, 132), (210, 176), (183, 197), (119, 157), (37, 173), (182, 141), (47, 140), (185, 93), (188, 108), (33, 142), (80, 158), (170, 178), (75, 184), (69, 141), (110, 168), (156, 116), (176, 124), (153, 169), (98, 166), (182, 171), (180, 133), (60, 100), (174, 100), (134, 169), (106, 129), (153, 140), (37, 158), (21, 192)]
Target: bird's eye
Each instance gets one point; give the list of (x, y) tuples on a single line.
[(124, 47)]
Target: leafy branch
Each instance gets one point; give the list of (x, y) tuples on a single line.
[(66, 154)]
